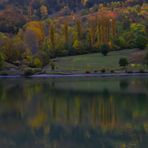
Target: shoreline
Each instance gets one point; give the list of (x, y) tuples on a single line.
[(76, 75)]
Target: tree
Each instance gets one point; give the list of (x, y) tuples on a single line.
[(31, 41), (106, 26), (34, 35), (104, 49), (138, 28), (139, 35), (66, 34), (92, 31), (11, 19), (37, 28), (140, 41), (52, 35), (120, 42), (78, 28)]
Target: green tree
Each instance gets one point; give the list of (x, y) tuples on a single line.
[(137, 28), (52, 35), (140, 41), (104, 49), (119, 42), (139, 35)]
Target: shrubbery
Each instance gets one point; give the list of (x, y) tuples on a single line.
[(103, 70), (31, 71), (123, 62), (28, 71)]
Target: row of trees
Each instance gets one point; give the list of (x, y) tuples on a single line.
[(72, 35)]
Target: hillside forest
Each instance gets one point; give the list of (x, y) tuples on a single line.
[(32, 33)]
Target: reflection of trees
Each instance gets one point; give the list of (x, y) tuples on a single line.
[(41, 107), (97, 110), (107, 113)]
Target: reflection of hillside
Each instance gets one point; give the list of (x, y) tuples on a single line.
[(47, 115), (104, 111), (84, 86)]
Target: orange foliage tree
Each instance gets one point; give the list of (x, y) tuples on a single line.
[(92, 30), (106, 26)]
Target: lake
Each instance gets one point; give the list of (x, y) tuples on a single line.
[(74, 112)]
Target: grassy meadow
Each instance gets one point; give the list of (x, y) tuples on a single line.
[(90, 62)]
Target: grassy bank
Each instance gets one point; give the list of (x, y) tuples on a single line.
[(90, 62)]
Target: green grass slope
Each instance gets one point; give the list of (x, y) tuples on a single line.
[(90, 62)]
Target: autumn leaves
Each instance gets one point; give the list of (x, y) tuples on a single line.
[(73, 33)]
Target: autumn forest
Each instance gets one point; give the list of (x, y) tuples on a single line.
[(32, 33)]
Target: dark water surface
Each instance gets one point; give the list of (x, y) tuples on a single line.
[(74, 112)]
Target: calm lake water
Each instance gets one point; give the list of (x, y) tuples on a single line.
[(76, 112)]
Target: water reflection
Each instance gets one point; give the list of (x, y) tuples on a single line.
[(74, 113)]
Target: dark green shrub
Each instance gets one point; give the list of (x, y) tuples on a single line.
[(103, 70), (87, 72), (123, 62), (129, 71), (112, 71), (141, 71), (104, 49), (28, 71)]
